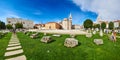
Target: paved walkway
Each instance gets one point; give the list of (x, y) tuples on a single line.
[(14, 50)]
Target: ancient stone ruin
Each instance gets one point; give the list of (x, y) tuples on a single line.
[(89, 35), (34, 35), (101, 33), (46, 39), (72, 35), (56, 35), (94, 32), (45, 33), (98, 41), (70, 42)]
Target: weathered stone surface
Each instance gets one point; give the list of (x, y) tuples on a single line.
[(97, 29), (101, 33), (34, 35), (72, 35), (5, 33), (16, 49), (98, 41), (46, 39), (13, 52), (14, 44), (70, 42), (45, 33), (12, 48), (56, 35), (94, 32), (89, 35), (22, 57)]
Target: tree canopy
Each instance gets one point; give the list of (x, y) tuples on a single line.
[(88, 23), (111, 25), (9, 26), (2, 25), (103, 25), (18, 25), (97, 26)]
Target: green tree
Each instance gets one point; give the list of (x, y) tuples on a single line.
[(96, 26), (9, 26), (2, 25), (111, 25), (119, 26), (103, 25), (88, 23), (18, 25)]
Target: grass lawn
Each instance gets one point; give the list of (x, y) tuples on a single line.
[(3, 45), (86, 50)]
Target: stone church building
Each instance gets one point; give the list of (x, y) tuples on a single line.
[(67, 23)]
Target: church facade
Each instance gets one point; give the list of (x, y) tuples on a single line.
[(67, 23)]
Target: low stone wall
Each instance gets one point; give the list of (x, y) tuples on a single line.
[(60, 31)]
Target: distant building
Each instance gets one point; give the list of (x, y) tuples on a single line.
[(52, 25), (76, 27), (116, 23), (67, 23), (26, 23), (39, 26)]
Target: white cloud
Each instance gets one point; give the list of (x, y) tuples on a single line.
[(6, 13), (37, 12), (106, 9)]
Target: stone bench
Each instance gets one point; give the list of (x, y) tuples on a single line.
[(98, 41), (70, 42), (46, 39)]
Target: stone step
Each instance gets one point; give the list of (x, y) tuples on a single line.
[(13, 44), (12, 48), (10, 53), (22, 57)]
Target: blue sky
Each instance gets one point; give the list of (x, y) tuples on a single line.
[(43, 11)]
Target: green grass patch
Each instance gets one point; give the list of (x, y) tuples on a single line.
[(3, 45), (86, 50)]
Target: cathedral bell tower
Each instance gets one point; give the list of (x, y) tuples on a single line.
[(70, 21)]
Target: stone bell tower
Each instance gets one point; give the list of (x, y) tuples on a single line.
[(70, 22)]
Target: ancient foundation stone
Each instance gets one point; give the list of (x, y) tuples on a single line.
[(70, 42), (89, 35), (46, 39), (98, 41), (56, 35)]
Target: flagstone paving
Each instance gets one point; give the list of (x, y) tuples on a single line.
[(14, 50)]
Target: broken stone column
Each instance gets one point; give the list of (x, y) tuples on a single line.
[(101, 33), (46, 39), (89, 35), (98, 41), (70, 42)]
